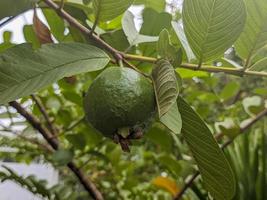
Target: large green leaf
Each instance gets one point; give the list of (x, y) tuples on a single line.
[(109, 9), (14, 7), (133, 36), (166, 86), (254, 36), (216, 172), (24, 71), (212, 26)]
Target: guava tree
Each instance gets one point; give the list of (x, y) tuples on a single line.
[(173, 110)]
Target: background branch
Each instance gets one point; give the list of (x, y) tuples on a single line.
[(85, 181), (42, 109), (243, 129)]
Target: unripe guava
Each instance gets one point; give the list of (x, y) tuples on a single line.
[(119, 98)]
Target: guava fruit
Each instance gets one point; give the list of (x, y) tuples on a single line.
[(120, 100)]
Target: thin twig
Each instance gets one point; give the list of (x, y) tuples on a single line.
[(30, 140), (42, 109), (73, 22), (243, 129), (84, 180), (7, 21)]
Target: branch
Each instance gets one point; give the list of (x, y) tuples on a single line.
[(85, 181), (7, 21), (205, 68), (243, 129), (30, 140), (73, 22), (42, 109), (122, 56)]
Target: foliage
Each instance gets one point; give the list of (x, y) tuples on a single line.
[(182, 51)]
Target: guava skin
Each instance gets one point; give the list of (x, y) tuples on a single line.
[(119, 97)]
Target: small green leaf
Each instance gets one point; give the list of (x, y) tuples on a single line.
[(253, 105), (133, 36), (62, 156), (183, 40), (212, 26), (229, 90), (166, 86), (30, 36), (228, 127), (24, 71), (172, 119), (214, 168), (55, 23), (109, 9), (164, 43), (167, 51)]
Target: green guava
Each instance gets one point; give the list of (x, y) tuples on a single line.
[(119, 98)]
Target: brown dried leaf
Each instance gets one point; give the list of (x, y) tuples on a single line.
[(41, 30)]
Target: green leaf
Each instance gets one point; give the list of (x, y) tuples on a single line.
[(172, 119), (109, 9), (229, 90), (24, 71), (253, 105), (261, 65), (30, 36), (212, 26), (62, 156), (116, 39), (228, 127), (154, 22), (186, 73), (155, 135), (55, 23), (215, 170), (166, 86), (133, 36), (171, 163), (14, 7), (167, 51), (183, 40), (164, 43), (254, 36)]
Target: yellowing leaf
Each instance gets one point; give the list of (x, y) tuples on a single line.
[(167, 184)]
